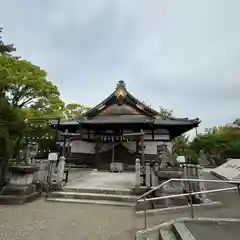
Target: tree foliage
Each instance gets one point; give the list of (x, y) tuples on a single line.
[(165, 113), (5, 49), (26, 84), (74, 110), (28, 100)]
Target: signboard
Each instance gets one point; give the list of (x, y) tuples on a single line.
[(181, 159), (229, 170), (53, 156)]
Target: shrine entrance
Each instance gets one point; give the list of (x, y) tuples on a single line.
[(118, 153)]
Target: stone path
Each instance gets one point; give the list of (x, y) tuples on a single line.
[(101, 180), (59, 221)]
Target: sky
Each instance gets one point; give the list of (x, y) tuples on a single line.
[(183, 55)]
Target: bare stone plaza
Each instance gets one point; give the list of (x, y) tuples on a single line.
[(52, 220)]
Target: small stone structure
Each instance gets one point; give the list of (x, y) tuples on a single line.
[(21, 188), (167, 166), (116, 167), (138, 173), (42, 174), (56, 170)]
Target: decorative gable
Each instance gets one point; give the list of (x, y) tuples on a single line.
[(117, 109), (120, 102)]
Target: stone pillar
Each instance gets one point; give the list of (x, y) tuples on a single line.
[(185, 175), (147, 175), (153, 178), (61, 166), (156, 168), (190, 176), (166, 189), (201, 185), (137, 172), (195, 176)]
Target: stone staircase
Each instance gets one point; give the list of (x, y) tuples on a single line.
[(190, 229), (174, 230), (121, 198)]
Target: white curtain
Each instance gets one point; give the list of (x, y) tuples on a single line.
[(79, 146)]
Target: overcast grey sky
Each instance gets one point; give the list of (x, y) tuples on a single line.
[(179, 54)]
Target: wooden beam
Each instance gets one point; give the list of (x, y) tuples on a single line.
[(71, 134), (153, 135), (134, 134)]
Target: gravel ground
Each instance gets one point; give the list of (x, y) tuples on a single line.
[(58, 221)]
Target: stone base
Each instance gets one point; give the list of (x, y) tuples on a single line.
[(18, 200), (18, 194), (56, 186)]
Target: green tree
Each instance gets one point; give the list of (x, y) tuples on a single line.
[(25, 84), (9, 118), (74, 110), (165, 113), (180, 144), (5, 49), (218, 143)]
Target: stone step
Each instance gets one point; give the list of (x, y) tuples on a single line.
[(94, 196), (99, 190), (182, 232), (87, 201), (165, 234)]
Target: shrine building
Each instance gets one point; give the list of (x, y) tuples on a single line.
[(119, 129)]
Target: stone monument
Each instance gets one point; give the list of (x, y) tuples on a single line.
[(21, 188)]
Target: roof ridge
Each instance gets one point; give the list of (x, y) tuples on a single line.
[(117, 92)]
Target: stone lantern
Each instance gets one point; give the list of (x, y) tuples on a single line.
[(21, 187)]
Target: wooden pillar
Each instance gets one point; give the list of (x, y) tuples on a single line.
[(137, 148), (97, 154), (142, 148)]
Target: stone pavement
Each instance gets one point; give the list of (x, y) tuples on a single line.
[(100, 180), (58, 221)]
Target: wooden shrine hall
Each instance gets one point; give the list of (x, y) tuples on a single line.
[(119, 129)]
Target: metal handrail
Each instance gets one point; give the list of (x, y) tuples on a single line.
[(186, 180), (190, 194), (187, 194), (179, 195)]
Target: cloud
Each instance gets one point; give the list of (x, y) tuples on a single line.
[(182, 55)]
